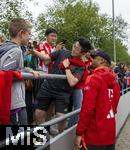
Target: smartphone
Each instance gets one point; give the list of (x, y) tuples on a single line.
[(29, 46), (64, 41)]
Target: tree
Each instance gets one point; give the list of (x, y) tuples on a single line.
[(79, 18), (10, 9), (41, 26)]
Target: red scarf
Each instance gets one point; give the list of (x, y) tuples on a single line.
[(6, 78), (79, 63)]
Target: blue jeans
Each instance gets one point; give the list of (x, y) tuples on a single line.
[(77, 97)]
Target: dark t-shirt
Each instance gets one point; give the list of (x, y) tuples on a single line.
[(60, 85)]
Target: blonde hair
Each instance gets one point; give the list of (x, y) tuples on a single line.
[(18, 24), (2, 38)]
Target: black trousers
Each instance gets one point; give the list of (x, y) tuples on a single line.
[(108, 147), (29, 106)]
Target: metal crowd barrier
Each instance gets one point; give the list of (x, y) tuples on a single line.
[(55, 120), (46, 124), (27, 75), (125, 90), (52, 122)]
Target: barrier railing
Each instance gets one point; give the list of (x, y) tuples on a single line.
[(27, 75), (46, 124), (55, 120)]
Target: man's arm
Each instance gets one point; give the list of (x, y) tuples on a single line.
[(88, 106), (47, 58), (87, 111), (72, 80), (116, 93), (41, 55)]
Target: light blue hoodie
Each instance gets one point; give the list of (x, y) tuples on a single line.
[(11, 58)]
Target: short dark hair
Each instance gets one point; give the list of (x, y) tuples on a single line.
[(50, 30), (120, 64), (18, 24), (34, 42), (85, 44)]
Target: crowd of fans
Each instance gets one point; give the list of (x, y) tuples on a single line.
[(32, 56), (45, 99)]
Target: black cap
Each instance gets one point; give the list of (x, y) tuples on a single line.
[(103, 55)]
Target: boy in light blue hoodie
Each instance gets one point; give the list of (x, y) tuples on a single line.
[(11, 58)]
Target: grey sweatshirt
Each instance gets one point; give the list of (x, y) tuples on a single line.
[(11, 58)]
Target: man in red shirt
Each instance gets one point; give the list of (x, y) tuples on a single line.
[(47, 47), (96, 128)]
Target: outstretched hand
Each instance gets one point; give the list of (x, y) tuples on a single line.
[(59, 46), (35, 73)]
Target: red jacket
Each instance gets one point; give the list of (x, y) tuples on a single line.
[(6, 78), (97, 116)]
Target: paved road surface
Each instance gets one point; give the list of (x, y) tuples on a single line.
[(123, 141)]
